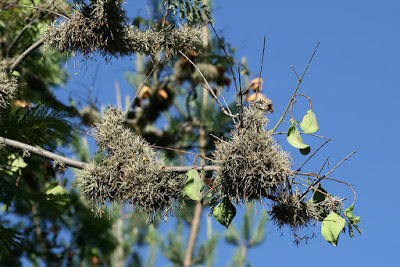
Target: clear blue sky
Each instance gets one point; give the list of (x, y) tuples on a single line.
[(354, 86)]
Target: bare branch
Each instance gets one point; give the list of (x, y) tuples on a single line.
[(32, 48), (143, 84), (209, 87), (44, 153), (227, 57)]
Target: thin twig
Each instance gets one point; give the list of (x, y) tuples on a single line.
[(261, 67), (26, 27), (26, 53), (315, 152), (319, 136), (295, 90), (208, 87), (43, 9), (295, 72), (337, 165), (227, 57), (143, 84), (183, 151)]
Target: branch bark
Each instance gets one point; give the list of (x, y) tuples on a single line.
[(79, 164), (21, 57)]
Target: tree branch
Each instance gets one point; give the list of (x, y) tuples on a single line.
[(43, 153), (79, 164), (32, 48)]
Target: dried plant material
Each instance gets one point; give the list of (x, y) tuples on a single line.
[(162, 94), (90, 115), (252, 165), (8, 87), (268, 101), (103, 27), (145, 92), (256, 84), (295, 213), (130, 171)]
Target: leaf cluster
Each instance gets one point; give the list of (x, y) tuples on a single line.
[(190, 10)]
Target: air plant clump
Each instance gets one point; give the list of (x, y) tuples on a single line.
[(130, 171), (8, 87), (291, 211), (252, 165), (102, 27), (297, 213)]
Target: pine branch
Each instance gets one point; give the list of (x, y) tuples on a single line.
[(79, 164)]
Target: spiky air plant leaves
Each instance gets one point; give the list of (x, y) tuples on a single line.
[(8, 87), (251, 164), (130, 171), (102, 27)]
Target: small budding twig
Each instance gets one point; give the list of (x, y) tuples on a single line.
[(319, 136), (182, 151), (300, 79)]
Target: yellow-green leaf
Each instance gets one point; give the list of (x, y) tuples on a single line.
[(194, 185), (294, 139), (331, 227), (309, 123)]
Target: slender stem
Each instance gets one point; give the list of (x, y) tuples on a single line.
[(143, 84), (209, 87), (43, 9), (24, 29), (182, 151), (21, 57), (227, 57), (295, 90)]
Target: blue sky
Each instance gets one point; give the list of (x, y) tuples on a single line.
[(354, 88)]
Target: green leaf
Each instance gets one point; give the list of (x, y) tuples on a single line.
[(194, 185), (224, 212), (56, 190), (309, 123), (294, 139), (349, 214), (331, 227), (318, 196), (16, 163)]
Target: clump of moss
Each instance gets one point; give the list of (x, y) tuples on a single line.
[(102, 27), (252, 165), (8, 87), (130, 171)]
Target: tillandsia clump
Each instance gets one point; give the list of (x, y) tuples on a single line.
[(297, 213), (130, 171), (8, 87), (102, 26), (252, 165)]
